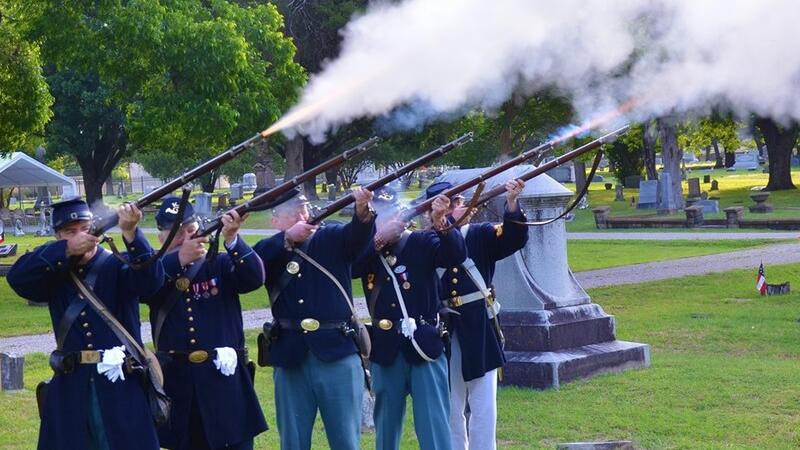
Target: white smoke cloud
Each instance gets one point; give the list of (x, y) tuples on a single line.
[(453, 55)]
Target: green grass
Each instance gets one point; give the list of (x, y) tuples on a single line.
[(600, 254), (723, 375), (734, 190)]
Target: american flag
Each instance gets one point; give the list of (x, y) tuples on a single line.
[(761, 280)]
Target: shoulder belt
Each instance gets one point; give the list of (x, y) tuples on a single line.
[(172, 299), (376, 290), (79, 303)]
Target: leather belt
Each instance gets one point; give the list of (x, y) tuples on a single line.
[(462, 300), (199, 356), (65, 362), (389, 324), (310, 324)]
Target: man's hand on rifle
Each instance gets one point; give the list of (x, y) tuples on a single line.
[(388, 233), (513, 189), (231, 222), (363, 197), (129, 217), (298, 233), (192, 249), (81, 244), (439, 210)]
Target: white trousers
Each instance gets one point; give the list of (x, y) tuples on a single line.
[(480, 394)]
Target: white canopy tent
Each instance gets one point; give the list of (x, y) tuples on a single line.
[(20, 170)]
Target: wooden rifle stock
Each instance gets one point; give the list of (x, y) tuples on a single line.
[(284, 188), (377, 184), (566, 157)]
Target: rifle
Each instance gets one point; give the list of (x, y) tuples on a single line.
[(566, 157), (424, 206), (277, 194), (111, 221), (377, 184)]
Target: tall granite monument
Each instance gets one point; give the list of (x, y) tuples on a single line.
[(554, 333)]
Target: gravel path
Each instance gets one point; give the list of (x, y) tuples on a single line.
[(637, 273), (697, 265)]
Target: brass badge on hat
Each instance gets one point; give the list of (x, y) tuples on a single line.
[(391, 259), (182, 284), (293, 267)]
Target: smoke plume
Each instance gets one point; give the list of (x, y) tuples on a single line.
[(455, 55)]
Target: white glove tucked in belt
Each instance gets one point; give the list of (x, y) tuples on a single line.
[(226, 360), (111, 366), (408, 326)]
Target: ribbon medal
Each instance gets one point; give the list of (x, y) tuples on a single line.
[(214, 288), (370, 281), (401, 273), (196, 290), (206, 294)]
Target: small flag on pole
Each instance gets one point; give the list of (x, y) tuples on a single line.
[(761, 280)]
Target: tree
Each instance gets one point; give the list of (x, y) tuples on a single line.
[(780, 140), (190, 78), (24, 98), (713, 131), (626, 154)]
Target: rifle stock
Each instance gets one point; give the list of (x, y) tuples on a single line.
[(377, 184)]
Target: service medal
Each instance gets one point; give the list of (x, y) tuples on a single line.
[(406, 285), (370, 286), (182, 284), (391, 259), (293, 267), (214, 291)]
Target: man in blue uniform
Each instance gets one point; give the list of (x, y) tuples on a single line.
[(476, 339), (197, 328), (92, 401), (399, 276), (315, 357)]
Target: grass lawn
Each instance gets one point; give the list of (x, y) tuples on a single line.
[(734, 190), (724, 375)]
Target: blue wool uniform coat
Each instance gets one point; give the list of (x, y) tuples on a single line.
[(208, 316), (423, 252), (42, 276), (486, 244), (311, 294)]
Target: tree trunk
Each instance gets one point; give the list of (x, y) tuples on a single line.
[(708, 153), (717, 156), (779, 141), (580, 175), (649, 150), (730, 159), (294, 157), (672, 156), (757, 138)]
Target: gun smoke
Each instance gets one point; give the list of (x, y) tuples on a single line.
[(450, 56)]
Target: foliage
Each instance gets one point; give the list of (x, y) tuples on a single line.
[(626, 156), (24, 98), (700, 134)]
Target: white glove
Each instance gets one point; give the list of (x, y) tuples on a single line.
[(111, 366), (226, 360), (408, 326), (493, 310)]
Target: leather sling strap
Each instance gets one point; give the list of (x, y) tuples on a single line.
[(172, 299), (325, 271), (76, 306), (373, 296), (400, 300)]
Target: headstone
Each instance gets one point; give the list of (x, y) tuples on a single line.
[(331, 192), (249, 181), (222, 202), (709, 206), (620, 194), (632, 181), (648, 195), (598, 178), (261, 175), (562, 174), (202, 204), (18, 228), (236, 191), (689, 157), (779, 289), (714, 185), (706, 179), (694, 187), (608, 186), (667, 202), (11, 372), (704, 195), (746, 161)]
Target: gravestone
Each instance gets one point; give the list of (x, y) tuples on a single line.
[(236, 191), (261, 176), (632, 181), (249, 181), (554, 333), (667, 203), (562, 174), (694, 187), (331, 192), (648, 195), (202, 204), (706, 179), (620, 194), (714, 185), (709, 206), (11, 372), (746, 161)]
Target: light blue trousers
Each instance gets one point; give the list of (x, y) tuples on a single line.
[(427, 383), (335, 388)]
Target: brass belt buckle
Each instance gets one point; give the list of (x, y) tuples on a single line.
[(455, 302), (198, 356), (90, 357), (385, 324), (309, 324)]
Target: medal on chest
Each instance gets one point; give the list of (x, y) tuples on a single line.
[(403, 275), (214, 288), (182, 284), (293, 267)]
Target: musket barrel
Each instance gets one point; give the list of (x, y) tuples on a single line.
[(111, 221), (566, 157), (283, 188), (422, 160)]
